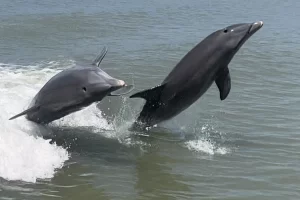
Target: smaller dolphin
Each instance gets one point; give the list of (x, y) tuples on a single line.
[(205, 64), (72, 90)]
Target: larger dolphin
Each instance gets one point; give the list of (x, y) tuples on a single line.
[(206, 63), (72, 90)]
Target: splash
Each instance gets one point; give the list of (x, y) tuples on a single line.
[(208, 141), (205, 146), (23, 154), (87, 117)]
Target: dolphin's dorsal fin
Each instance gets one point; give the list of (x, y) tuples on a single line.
[(29, 110), (223, 82), (153, 93), (99, 59), (122, 91)]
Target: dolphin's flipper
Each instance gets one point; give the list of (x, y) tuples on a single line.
[(99, 59), (223, 82), (32, 109), (122, 91), (153, 93)]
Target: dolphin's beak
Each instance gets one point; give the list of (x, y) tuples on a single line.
[(121, 83), (125, 89), (255, 27)]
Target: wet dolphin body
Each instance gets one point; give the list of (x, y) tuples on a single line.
[(206, 63), (72, 90)]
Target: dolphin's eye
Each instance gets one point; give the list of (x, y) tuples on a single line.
[(84, 89), (225, 30)]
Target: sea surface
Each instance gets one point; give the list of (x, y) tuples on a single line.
[(245, 147)]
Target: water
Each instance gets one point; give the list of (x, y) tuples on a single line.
[(246, 147)]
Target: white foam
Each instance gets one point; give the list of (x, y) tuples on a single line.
[(89, 116), (23, 155), (205, 146)]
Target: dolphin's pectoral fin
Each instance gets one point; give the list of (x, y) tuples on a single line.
[(99, 59), (153, 93), (122, 91), (32, 109), (223, 82)]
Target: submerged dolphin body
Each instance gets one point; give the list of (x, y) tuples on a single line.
[(206, 63), (72, 90)]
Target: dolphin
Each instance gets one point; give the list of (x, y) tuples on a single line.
[(206, 63), (72, 90)]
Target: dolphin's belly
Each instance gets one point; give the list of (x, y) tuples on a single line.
[(46, 115), (178, 103), (181, 101)]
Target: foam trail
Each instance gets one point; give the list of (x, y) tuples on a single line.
[(23, 155)]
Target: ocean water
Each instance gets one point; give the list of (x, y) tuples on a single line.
[(246, 147)]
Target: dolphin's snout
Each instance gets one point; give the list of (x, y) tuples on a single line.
[(121, 88), (117, 83), (121, 83), (255, 27), (260, 23)]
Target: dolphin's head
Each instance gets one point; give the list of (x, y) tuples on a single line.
[(234, 36), (100, 84), (115, 84)]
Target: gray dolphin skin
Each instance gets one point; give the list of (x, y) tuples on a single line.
[(206, 63), (72, 90)]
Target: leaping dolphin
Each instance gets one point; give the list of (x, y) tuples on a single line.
[(206, 63), (72, 90)]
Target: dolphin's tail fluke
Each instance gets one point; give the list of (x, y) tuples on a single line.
[(150, 94), (153, 101)]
